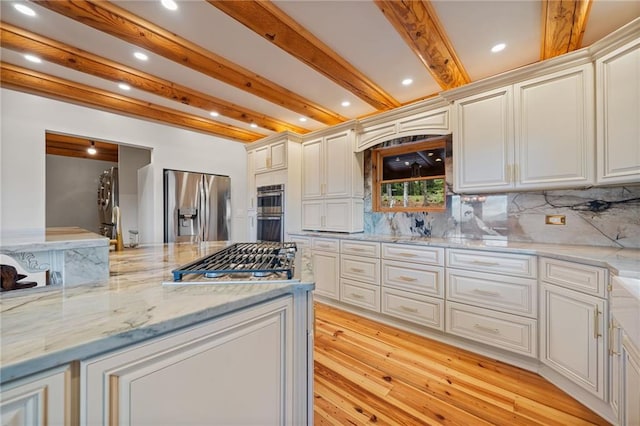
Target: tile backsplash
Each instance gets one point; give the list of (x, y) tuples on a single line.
[(596, 216)]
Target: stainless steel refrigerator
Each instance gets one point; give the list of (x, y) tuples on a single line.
[(197, 207)]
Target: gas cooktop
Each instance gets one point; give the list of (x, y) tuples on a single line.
[(244, 261)]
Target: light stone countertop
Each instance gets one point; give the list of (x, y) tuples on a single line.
[(620, 261), (46, 327), (59, 238)]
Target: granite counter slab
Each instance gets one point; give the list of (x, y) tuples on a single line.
[(44, 328), (620, 261)]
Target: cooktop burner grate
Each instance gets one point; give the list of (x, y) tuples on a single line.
[(243, 259)]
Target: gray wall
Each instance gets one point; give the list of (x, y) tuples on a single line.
[(72, 191)]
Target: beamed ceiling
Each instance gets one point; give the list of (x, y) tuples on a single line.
[(270, 66)]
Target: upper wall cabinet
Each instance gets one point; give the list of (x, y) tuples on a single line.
[(618, 115), (270, 157), (332, 181), (430, 117), (534, 134)]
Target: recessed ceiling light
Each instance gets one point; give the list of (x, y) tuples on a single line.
[(124, 86), (24, 9), (214, 114), (345, 103), (169, 4), (141, 56), (92, 149), (407, 81), (33, 58), (498, 47), (438, 159), (254, 125), (302, 119)]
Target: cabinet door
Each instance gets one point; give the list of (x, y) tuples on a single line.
[(483, 142), (554, 125), (631, 383), (312, 215), (251, 181), (572, 337), (234, 370), (39, 400), (338, 164), (615, 367), (312, 175), (337, 215), (261, 159), (326, 269), (278, 155), (618, 115)]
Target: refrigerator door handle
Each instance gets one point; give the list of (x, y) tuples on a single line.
[(204, 209)]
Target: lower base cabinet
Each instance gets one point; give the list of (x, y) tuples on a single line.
[(43, 399), (630, 369), (572, 336), (235, 370)]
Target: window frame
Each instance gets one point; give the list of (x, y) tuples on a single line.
[(377, 157)]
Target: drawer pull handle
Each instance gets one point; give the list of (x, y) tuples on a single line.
[(486, 329), (486, 292), (408, 309), (357, 249), (483, 263), (612, 337), (357, 296), (324, 245), (408, 279), (407, 254), (596, 323), (357, 270)]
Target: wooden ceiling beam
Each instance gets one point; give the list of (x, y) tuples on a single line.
[(115, 21), (23, 79), (563, 25), (419, 26), (20, 40), (275, 26)]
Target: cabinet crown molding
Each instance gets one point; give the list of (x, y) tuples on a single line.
[(347, 125), (616, 39), (277, 137), (403, 111)]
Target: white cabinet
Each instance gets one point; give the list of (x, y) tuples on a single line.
[(413, 284), (573, 327), (270, 157), (618, 115), (326, 266), (360, 274), (238, 369), (43, 399), (492, 298), (535, 134), (332, 182), (630, 392)]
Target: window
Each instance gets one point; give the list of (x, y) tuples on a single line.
[(409, 177)]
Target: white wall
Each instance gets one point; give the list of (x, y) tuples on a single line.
[(130, 159), (71, 191), (25, 119)]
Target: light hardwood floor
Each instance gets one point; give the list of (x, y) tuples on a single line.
[(367, 372)]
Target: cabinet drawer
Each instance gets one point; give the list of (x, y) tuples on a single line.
[(423, 310), (360, 294), (423, 279), (508, 294), (585, 278), (360, 248), (519, 265), (365, 269), (505, 331), (325, 244), (411, 253)]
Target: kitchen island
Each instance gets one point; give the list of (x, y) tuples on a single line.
[(138, 335)]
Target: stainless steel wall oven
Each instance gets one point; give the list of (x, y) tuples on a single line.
[(270, 213)]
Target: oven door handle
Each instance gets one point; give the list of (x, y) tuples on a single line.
[(269, 194), (269, 217)]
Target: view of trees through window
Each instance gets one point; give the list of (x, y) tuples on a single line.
[(410, 177)]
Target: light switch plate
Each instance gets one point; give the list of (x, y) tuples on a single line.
[(555, 219)]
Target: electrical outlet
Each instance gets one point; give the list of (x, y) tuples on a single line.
[(555, 219)]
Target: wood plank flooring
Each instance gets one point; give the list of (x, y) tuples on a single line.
[(370, 373)]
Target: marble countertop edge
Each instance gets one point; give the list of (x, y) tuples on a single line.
[(119, 340)]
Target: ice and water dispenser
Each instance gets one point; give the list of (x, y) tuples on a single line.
[(188, 221)]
